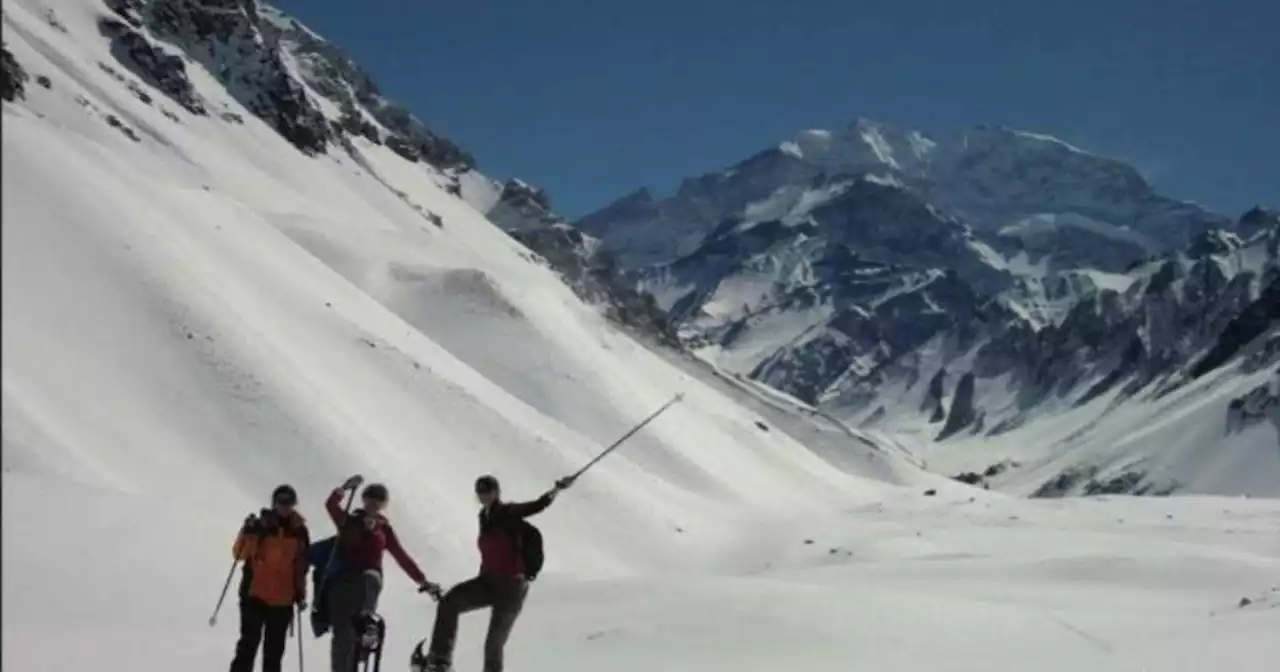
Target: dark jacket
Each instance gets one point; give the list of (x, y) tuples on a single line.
[(273, 551), (499, 553), (360, 545)]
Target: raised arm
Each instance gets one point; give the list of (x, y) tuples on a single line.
[(406, 563), (334, 506)]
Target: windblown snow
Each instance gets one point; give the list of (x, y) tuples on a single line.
[(198, 314)]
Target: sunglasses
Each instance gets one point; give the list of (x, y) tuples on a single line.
[(286, 501)]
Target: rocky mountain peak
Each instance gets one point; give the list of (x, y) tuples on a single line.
[(1213, 241), (13, 78), (517, 192), (862, 146), (1260, 218)]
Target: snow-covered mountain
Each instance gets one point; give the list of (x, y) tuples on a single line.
[(1030, 193), (229, 262), (968, 286)]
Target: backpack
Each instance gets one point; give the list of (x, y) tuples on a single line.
[(529, 545), (318, 557)]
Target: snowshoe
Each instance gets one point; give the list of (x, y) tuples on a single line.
[(371, 634), (421, 661)]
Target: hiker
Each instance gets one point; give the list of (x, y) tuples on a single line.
[(272, 545), (501, 584), (363, 535)]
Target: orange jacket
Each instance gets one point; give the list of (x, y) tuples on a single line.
[(274, 555)]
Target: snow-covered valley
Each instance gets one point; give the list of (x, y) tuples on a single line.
[(195, 310)]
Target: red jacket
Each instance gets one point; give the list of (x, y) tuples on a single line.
[(360, 545), (498, 553)]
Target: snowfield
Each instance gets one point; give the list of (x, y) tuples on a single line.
[(191, 318)]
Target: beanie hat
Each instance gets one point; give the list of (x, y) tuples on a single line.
[(284, 494)]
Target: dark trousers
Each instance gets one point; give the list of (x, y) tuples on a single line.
[(505, 594), (265, 625), (350, 594)]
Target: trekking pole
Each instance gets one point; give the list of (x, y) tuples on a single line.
[(214, 618), (333, 552), (301, 668), (674, 400)]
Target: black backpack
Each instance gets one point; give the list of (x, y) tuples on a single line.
[(529, 545)]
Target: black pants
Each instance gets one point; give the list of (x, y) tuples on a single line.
[(265, 625), (505, 594)]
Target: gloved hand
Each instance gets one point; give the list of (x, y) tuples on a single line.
[(353, 482), (432, 589), (565, 483), (251, 524), (301, 603)]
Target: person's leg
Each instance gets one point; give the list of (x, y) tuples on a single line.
[(344, 595), (370, 590), (276, 629), (508, 601), (252, 617), (464, 597)]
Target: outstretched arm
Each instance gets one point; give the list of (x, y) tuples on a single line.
[(406, 563), (526, 509)]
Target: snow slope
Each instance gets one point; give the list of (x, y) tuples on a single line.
[(194, 316)]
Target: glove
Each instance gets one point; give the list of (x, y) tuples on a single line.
[(565, 483), (432, 589), (353, 482), (251, 524), (301, 602)]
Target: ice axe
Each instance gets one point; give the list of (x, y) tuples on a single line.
[(674, 400)]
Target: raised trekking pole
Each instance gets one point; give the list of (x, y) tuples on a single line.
[(674, 400), (333, 552), (213, 620)]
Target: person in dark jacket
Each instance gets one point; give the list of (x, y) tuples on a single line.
[(501, 583), (272, 546), (363, 536)]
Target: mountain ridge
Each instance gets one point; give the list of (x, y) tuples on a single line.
[(1019, 275)]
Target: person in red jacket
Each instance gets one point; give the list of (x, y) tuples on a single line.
[(363, 535), (501, 584)]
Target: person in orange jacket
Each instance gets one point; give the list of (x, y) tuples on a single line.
[(272, 545)]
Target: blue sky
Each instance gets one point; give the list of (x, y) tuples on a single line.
[(592, 99)]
